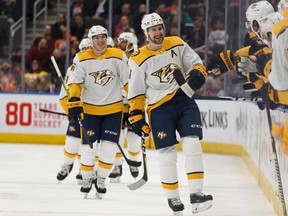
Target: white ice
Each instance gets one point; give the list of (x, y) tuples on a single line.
[(28, 187)]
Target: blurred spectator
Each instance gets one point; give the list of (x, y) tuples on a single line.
[(40, 52), (217, 37), (37, 80), (123, 26), (9, 13), (137, 23), (77, 7), (57, 26), (125, 11), (47, 34), (198, 33), (78, 27), (9, 81)]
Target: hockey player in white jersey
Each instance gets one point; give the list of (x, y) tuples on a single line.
[(127, 42), (95, 99), (72, 141), (279, 69), (169, 109)]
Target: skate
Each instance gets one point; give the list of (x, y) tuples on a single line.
[(200, 202), (86, 187), (116, 174), (100, 187), (64, 172), (176, 205), (134, 171), (79, 178)]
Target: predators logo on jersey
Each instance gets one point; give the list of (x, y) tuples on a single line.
[(165, 73), (103, 77)]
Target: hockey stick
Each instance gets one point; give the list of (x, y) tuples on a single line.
[(190, 92), (59, 74), (53, 112), (275, 157), (199, 97), (144, 179)]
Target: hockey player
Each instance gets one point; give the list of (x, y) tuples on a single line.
[(279, 71), (169, 109), (97, 77), (127, 42), (72, 142)]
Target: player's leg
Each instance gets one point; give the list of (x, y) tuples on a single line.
[(162, 122), (190, 129)]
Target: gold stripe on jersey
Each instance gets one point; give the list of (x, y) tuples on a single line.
[(105, 165), (280, 27), (119, 155), (138, 102), (75, 89), (160, 102), (195, 175), (146, 53), (267, 68), (69, 155), (86, 168), (133, 153), (201, 68), (63, 102), (243, 52), (78, 157), (103, 109), (110, 53), (170, 186)]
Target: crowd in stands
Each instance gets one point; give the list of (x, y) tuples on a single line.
[(127, 15)]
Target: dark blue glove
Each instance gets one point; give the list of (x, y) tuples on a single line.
[(75, 109), (196, 79)]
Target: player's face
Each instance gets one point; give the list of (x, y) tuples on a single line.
[(122, 44), (156, 34), (99, 42)]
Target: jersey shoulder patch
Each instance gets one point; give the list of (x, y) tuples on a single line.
[(85, 55), (114, 53), (280, 27)]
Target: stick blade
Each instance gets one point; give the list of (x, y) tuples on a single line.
[(134, 163), (137, 185)]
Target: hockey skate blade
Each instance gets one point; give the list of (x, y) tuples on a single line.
[(199, 207), (115, 180), (85, 195), (136, 185), (179, 213), (99, 195)]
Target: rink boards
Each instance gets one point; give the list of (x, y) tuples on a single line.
[(230, 127)]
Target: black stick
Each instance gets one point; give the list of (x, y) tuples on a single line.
[(136, 185), (275, 157)]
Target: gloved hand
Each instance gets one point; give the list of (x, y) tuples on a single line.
[(75, 109), (221, 63), (138, 123), (246, 65), (196, 79)]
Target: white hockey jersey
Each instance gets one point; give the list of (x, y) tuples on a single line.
[(103, 78), (151, 72), (279, 69)]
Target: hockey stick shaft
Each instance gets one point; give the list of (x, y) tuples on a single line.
[(59, 74), (53, 112), (276, 162), (128, 161), (144, 179), (199, 97)]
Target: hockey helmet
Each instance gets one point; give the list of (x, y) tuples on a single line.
[(266, 23), (97, 30), (84, 44), (110, 42), (130, 38), (150, 20), (282, 5), (257, 10)]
